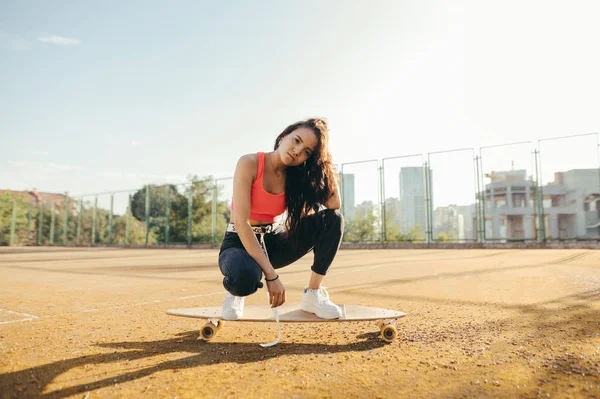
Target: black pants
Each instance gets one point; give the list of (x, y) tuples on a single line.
[(320, 232)]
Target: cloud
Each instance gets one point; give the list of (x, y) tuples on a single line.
[(136, 143), (41, 153), (59, 40)]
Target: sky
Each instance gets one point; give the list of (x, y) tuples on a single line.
[(107, 96)]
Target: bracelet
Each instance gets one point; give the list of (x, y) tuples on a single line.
[(268, 281)]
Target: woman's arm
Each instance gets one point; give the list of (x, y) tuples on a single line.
[(334, 201)]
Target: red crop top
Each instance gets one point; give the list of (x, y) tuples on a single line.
[(264, 206)]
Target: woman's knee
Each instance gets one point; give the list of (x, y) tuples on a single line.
[(242, 273), (334, 219), (242, 283)]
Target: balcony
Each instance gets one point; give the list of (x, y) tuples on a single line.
[(554, 189), (560, 210)]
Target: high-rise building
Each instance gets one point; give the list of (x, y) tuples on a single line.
[(448, 220), (412, 197), (393, 211)]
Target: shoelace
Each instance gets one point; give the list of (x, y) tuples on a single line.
[(324, 297)]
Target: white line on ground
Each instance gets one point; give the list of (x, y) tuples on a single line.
[(27, 316)]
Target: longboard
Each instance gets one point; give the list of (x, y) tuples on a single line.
[(291, 313)]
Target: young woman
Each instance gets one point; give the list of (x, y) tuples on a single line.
[(298, 177)]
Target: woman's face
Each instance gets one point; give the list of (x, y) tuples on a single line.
[(298, 146)]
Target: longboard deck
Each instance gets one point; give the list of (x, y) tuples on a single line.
[(290, 313)]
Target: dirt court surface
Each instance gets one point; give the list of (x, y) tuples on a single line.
[(91, 323)]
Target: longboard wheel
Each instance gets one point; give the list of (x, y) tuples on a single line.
[(382, 323), (389, 333), (220, 324), (208, 331)]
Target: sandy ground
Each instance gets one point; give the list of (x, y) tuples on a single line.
[(88, 323)]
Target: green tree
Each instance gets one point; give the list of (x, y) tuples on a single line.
[(203, 191), (362, 227), (162, 199), (137, 232), (167, 203), (22, 235), (200, 191), (415, 234), (446, 236), (392, 229)]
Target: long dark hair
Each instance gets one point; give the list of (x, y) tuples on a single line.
[(309, 185)]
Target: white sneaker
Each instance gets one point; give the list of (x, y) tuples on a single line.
[(317, 302), (233, 307)]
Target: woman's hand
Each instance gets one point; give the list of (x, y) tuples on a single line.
[(276, 293)]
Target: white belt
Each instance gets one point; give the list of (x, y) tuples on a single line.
[(266, 229), (262, 230)]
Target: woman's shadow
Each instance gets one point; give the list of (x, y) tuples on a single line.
[(32, 382)]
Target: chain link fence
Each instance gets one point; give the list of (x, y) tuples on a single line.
[(503, 193), (507, 174), (404, 198), (451, 181), (361, 201), (570, 187)]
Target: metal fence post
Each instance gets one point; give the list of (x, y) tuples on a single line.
[(94, 220), (147, 209), (79, 221), (110, 218), (214, 213), (168, 214), (483, 201), (189, 221), (428, 218), (52, 220), (382, 202), (539, 198), (65, 227), (29, 216), (13, 222), (41, 226), (127, 220), (478, 200)]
